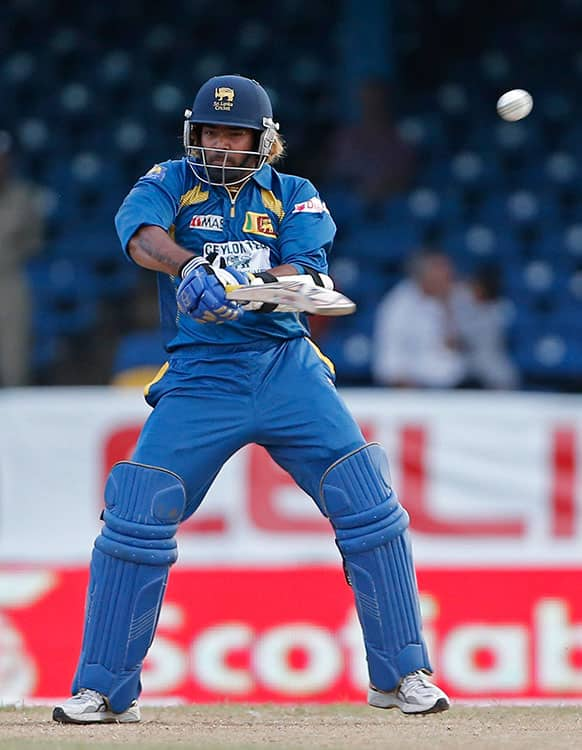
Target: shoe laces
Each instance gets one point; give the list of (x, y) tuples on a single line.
[(87, 693), (415, 682)]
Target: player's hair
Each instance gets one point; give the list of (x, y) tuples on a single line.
[(277, 150)]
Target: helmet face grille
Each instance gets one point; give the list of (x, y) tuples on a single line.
[(220, 172)]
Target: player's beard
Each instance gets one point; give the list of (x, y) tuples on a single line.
[(229, 174)]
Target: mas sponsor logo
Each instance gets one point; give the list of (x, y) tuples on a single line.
[(210, 222), (259, 224), (313, 206), (249, 255)]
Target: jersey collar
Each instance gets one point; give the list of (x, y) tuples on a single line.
[(264, 177)]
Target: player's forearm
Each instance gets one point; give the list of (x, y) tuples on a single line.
[(284, 270), (152, 248)]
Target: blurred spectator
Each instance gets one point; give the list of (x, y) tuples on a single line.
[(433, 331), (482, 324), (21, 232), (369, 155), (140, 352), (416, 337)]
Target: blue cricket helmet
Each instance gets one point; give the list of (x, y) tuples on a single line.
[(232, 101)]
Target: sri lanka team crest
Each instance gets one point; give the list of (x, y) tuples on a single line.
[(259, 224), (157, 172), (223, 98)]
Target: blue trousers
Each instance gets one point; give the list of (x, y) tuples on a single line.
[(279, 395)]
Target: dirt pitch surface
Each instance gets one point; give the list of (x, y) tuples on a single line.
[(338, 727)]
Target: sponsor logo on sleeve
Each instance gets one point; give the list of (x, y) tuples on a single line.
[(210, 222), (259, 224), (157, 172), (312, 206)]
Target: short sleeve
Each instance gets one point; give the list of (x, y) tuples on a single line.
[(153, 200), (307, 231)]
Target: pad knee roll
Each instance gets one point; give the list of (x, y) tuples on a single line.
[(357, 497), (144, 506)]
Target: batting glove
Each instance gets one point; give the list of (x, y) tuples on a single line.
[(202, 293)]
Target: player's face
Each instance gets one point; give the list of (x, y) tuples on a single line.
[(224, 153), (223, 139)]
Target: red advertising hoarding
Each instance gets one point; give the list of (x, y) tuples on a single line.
[(291, 634), (257, 608)]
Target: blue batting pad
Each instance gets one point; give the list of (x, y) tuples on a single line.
[(129, 571), (371, 533)]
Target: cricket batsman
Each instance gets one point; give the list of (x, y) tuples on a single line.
[(218, 218)]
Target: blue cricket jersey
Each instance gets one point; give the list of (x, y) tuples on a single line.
[(274, 219)]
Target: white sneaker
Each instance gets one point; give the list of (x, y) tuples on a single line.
[(90, 707), (415, 695)]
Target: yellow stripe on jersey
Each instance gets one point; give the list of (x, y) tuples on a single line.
[(272, 203), (160, 374), (322, 356), (196, 195)]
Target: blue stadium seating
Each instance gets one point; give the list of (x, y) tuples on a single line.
[(94, 95)]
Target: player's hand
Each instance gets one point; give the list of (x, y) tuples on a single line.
[(231, 278), (202, 294)]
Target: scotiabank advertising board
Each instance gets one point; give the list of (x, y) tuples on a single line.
[(257, 607), (292, 635)]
